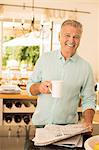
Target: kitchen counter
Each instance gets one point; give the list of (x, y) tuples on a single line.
[(22, 95), (25, 142)]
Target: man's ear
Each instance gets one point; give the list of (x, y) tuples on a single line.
[(59, 36)]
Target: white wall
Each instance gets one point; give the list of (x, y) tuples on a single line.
[(97, 60), (89, 43)]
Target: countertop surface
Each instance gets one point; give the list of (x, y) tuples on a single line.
[(22, 95), (24, 142)]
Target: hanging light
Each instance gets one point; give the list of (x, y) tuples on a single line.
[(23, 20), (32, 22), (35, 26), (32, 26)]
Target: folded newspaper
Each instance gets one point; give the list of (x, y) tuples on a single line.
[(72, 142), (58, 134)]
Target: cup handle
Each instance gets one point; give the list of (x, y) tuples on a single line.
[(50, 90)]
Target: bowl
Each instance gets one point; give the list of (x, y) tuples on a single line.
[(90, 144)]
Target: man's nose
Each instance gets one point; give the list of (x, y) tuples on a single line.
[(71, 39)]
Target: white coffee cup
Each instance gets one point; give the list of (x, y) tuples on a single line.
[(57, 88)]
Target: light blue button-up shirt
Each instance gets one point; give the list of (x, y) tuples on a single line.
[(78, 81)]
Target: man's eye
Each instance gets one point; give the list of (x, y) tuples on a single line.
[(67, 35), (77, 36)]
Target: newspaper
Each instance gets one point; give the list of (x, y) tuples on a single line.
[(72, 142), (53, 133)]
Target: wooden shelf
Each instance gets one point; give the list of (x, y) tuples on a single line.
[(13, 123), (21, 109)]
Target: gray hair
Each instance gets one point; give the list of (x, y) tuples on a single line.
[(73, 23)]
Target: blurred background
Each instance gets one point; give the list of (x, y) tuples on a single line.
[(30, 27)]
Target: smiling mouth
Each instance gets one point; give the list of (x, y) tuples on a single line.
[(70, 44)]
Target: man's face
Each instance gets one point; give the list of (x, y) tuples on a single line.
[(69, 40)]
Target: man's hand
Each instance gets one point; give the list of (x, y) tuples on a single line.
[(90, 127), (41, 87), (88, 119), (44, 87)]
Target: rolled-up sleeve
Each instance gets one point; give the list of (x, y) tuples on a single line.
[(88, 92), (35, 76)]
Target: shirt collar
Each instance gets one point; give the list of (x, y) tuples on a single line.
[(73, 58)]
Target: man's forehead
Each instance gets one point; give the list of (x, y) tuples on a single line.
[(69, 29)]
